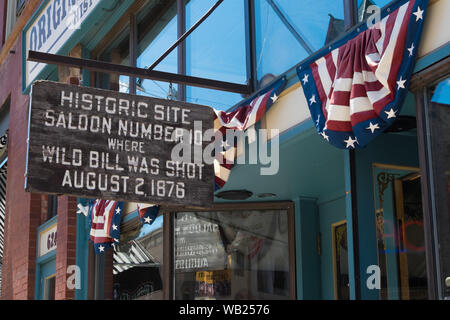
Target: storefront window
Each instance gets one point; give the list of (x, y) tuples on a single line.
[(138, 262), (438, 115), (49, 288), (216, 50), (154, 38), (289, 31), (228, 255), (400, 233)]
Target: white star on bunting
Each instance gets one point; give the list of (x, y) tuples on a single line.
[(274, 98), (324, 135), (391, 113), (305, 79), (117, 210), (101, 248), (418, 14), (313, 99), (373, 127), (411, 49), (401, 83), (350, 142), (114, 227), (147, 220)]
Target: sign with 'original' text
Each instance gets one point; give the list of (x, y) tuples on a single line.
[(104, 144), (51, 28)]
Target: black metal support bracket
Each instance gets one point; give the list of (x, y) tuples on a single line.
[(111, 68), (300, 38), (186, 34)]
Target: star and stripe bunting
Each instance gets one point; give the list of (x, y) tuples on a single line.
[(241, 118), (105, 217), (355, 89), (147, 212)]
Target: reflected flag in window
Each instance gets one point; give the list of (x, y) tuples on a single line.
[(105, 217), (355, 88), (147, 212)]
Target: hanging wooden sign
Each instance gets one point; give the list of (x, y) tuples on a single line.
[(104, 144)]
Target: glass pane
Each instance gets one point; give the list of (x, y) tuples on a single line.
[(153, 40), (231, 255), (439, 119), (216, 50), (400, 234), (219, 100), (50, 288), (286, 33), (138, 261)]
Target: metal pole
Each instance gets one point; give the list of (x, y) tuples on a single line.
[(181, 23), (288, 25), (355, 225), (250, 41), (99, 277), (186, 34), (133, 46), (107, 67)]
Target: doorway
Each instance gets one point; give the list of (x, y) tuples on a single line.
[(400, 233)]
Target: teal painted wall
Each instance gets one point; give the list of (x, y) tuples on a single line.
[(308, 261), (329, 212)]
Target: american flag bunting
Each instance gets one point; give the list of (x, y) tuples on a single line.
[(147, 212), (355, 88), (244, 116), (105, 217)]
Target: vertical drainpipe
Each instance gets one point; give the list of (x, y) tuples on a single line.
[(250, 42), (352, 226)]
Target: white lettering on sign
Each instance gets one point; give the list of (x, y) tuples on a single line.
[(47, 240), (52, 28), (110, 145)]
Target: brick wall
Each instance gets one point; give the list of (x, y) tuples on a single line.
[(22, 209), (66, 245), (25, 212)]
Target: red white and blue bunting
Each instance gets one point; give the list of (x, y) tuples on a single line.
[(105, 217), (355, 89), (241, 118)]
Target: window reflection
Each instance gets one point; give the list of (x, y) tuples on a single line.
[(154, 38), (438, 118), (216, 50), (286, 33), (231, 255), (400, 234), (138, 262)]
